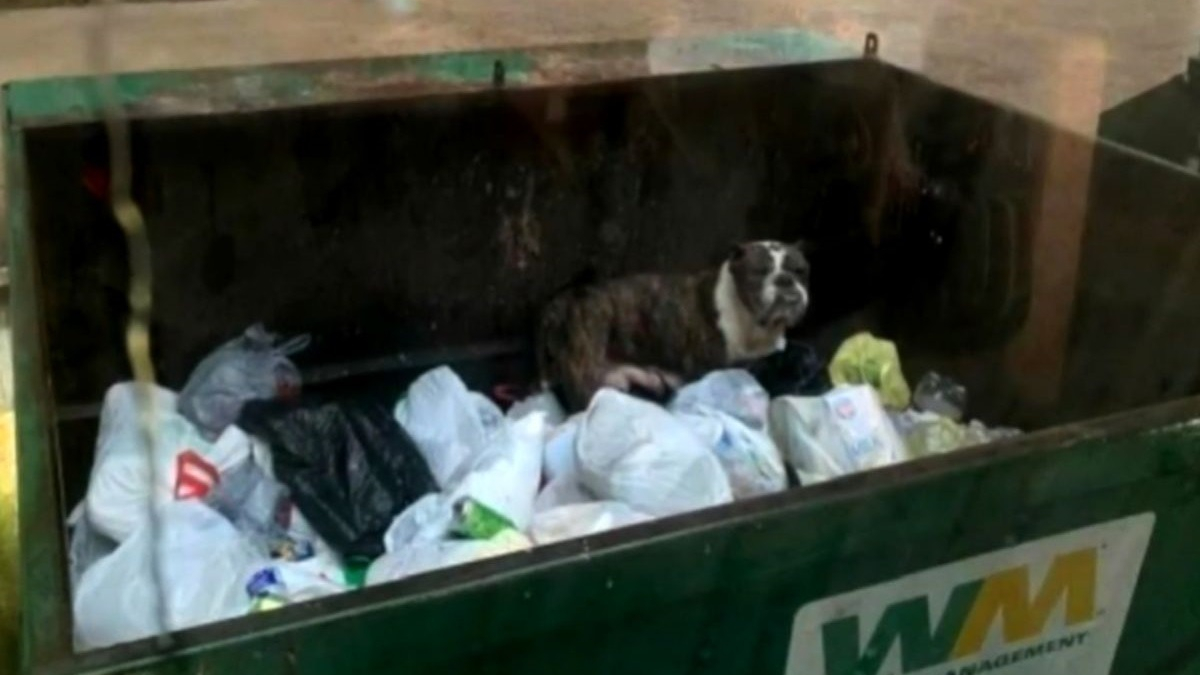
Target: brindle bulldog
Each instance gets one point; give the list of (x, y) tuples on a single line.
[(655, 332)]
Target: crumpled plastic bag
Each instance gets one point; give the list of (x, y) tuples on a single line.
[(842, 432), (203, 560), (749, 457), (636, 452), (560, 468), (125, 480), (926, 433), (439, 516), (582, 520), (727, 409), (425, 556), (252, 366), (474, 450), (347, 465), (866, 359), (86, 545), (303, 580), (260, 508), (558, 452), (427, 519), (504, 475), (561, 491), (941, 395), (734, 392), (449, 423), (544, 402)]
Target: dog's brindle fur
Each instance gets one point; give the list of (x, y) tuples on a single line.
[(655, 332)]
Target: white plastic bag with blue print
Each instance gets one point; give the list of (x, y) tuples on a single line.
[(728, 410), (749, 457), (734, 392), (845, 431)]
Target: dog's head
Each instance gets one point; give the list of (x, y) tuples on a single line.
[(771, 279)]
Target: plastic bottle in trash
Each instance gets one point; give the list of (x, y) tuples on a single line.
[(941, 395), (477, 521)]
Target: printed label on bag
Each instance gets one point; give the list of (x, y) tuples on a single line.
[(194, 476), (1055, 605), (857, 423)]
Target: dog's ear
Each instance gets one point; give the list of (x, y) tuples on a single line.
[(806, 246), (737, 251)]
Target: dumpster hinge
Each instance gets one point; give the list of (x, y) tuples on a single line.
[(498, 73), (871, 46)]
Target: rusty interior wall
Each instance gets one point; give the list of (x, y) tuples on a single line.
[(1062, 60)]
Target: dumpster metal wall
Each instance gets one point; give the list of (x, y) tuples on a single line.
[(337, 196)]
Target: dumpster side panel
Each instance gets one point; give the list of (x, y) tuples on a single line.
[(44, 625), (720, 597), (1137, 320)]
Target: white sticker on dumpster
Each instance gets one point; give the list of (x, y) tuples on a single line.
[(1055, 605)]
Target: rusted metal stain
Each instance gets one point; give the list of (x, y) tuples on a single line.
[(520, 232)]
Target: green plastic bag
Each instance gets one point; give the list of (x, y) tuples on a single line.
[(927, 434), (866, 359)]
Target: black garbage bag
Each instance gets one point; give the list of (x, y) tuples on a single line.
[(797, 370), (349, 467)]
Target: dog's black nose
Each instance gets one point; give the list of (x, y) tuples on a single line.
[(785, 280)]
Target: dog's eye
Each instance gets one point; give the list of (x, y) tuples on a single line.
[(797, 270)]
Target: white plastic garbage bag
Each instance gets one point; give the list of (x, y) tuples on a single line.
[(542, 402), (204, 563), (124, 482), (581, 520), (844, 431), (635, 452), (504, 476), (425, 556), (558, 454), (560, 469), (427, 519), (749, 456), (472, 449), (734, 392), (561, 491), (728, 410), (87, 545), (303, 580), (449, 423), (315, 577)]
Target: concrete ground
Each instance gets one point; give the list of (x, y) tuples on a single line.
[(1065, 60)]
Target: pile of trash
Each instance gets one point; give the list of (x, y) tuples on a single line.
[(258, 494)]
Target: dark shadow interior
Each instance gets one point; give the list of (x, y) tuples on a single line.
[(403, 234)]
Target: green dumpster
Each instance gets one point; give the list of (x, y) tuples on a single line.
[(418, 211)]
